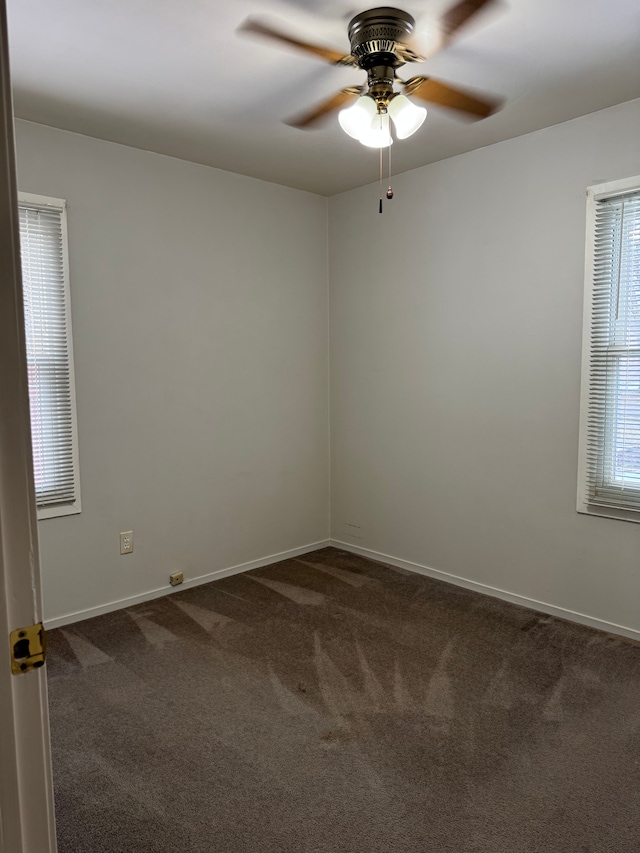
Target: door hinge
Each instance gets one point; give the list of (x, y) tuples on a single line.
[(28, 648)]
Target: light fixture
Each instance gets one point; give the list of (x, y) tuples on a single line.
[(368, 119), (407, 117), (378, 134), (356, 120)]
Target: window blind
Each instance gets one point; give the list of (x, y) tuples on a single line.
[(613, 420), (48, 344)]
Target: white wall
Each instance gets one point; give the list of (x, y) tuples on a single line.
[(456, 325), (199, 304), (199, 309)]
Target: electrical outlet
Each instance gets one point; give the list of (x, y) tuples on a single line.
[(176, 578), (126, 542)]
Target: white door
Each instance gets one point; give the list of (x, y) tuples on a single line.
[(26, 792)]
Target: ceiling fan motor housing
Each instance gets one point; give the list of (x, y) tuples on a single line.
[(374, 34)]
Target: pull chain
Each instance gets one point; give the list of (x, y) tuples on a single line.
[(389, 189), (380, 205)]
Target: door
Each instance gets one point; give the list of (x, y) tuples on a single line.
[(26, 793)]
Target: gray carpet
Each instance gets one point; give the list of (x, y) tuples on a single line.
[(334, 705)]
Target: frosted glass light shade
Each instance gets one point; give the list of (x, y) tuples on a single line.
[(407, 117), (378, 134), (356, 119)]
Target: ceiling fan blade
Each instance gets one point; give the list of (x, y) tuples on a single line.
[(335, 102), (407, 53), (459, 14), (251, 25), (453, 20), (435, 92)]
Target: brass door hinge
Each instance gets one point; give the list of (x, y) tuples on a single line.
[(28, 648)]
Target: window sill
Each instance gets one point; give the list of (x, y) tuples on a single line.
[(59, 510), (609, 512)]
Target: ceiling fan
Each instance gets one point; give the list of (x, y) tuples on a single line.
[(381, 43)]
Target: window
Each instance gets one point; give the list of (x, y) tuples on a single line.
[(609, 481), (47, 311)]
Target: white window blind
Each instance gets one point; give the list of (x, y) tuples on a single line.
[(49, 354), (611, 476)]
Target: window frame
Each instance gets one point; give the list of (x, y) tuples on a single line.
[(595, 193), (71, 507)]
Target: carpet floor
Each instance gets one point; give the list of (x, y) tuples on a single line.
[(330, 704)]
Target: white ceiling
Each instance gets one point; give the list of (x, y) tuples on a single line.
[(174, 76)]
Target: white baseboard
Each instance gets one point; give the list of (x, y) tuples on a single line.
[(485, 589), (514, 598), (167, 590)]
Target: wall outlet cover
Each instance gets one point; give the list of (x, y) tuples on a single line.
[(126, 542), (176, 578)]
